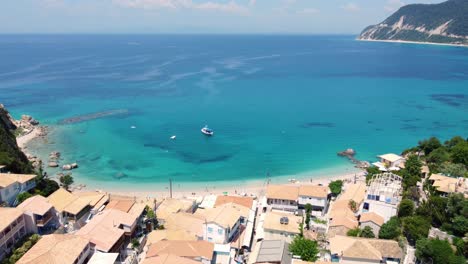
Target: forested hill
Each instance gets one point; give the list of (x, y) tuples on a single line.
[(446, 22), (10, 155)]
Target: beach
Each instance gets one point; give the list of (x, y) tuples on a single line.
[(415, 42)]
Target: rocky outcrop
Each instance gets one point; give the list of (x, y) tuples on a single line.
[(436, 23), (350, 153)]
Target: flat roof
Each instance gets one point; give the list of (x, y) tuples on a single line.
[(272, 222), (103, 258), (391, 157), (240, 200)]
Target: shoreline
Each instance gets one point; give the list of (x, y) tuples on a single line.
[(414, 42)]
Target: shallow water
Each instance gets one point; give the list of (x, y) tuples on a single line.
[(279, 105)]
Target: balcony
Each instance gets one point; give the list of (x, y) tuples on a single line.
[(43, 220)]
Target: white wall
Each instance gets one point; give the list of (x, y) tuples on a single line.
[(214, 233), (321, 202), (383, 209), (375, 228)]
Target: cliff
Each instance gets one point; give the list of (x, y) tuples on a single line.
[(446, 23), (10, 154)]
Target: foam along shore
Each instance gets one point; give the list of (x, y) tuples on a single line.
[(251, 188), (414, 42)]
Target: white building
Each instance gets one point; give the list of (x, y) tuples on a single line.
[(282, 197), (39, 214), (315, 195), (13, 184), (390, 162), (276, 229), (12, 229), (372, 220), (223, 223), (383, 195)]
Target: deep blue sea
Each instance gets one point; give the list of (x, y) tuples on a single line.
[(279, 105)]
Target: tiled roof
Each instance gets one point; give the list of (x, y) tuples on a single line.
[(365, 248), (169, 259), (240, 200), (7, 179), (37, 204), (225, 215), (314, 191), (121, 205), (8, 216), (53, 249), (372, 217), (283, 192), (191, 249)]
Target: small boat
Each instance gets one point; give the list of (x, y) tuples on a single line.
[(207, 131), (173, 137), (133, 127)]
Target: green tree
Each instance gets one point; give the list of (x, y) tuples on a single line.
[(390, 229), (406, 208), (416, 227), (460, 225), (428, 145), (460, 153), (454, 141), (45, 187), (135, 243), (23, 196), (306, 248), (367, 232), (413, 165), (435, 251), (308, 211), (66, 180), (453, 169), (352, 205), (354, 232), (438, 156), (335, 187)]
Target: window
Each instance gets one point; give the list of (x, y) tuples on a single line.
[(210, 239), (210, 230), (220, 231)]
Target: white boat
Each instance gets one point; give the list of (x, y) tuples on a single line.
[(173, 137), (207, 131)]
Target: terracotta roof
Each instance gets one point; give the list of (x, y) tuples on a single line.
[(103, 230), (169, 259), (240, 200), (225, 215), (96, 199), (272, 222), (356, 192), (37, 205), (191, 223), (170, 234), (284, 192), (365, 248), (52, 249), (64, 201), (8, 216), (391, 157), (7, 179), (314, 191), (170, 206), (342, 215), (121, 205), (190, 249), (372, 217)]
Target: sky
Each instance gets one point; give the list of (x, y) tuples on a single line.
[(195, 16)]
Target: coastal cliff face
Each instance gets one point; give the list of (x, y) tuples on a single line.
[(446, 22), (10, 154)]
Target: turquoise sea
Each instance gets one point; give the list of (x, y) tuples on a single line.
[(280, 105)]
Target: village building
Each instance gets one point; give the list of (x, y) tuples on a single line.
[(169, 259), (345, 249), (58, 248), (13, 184), (446, 185), (383, 195), (198, 251), (281, 226), (294, 197), (372, 220), (315, 195), (40, 215), (390, 162), (223, 223), (271, 252), (12, 229), (170, 206)]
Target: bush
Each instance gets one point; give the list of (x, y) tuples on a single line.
[(307, 249), (354, 232), (23, 196), (406, 208), (335, 187), (391, 229), (21, 248), (416, 227), (367, 232), (436, 251)]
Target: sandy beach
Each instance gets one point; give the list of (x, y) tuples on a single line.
[(23, 140), (253, 188), (415, 42)]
